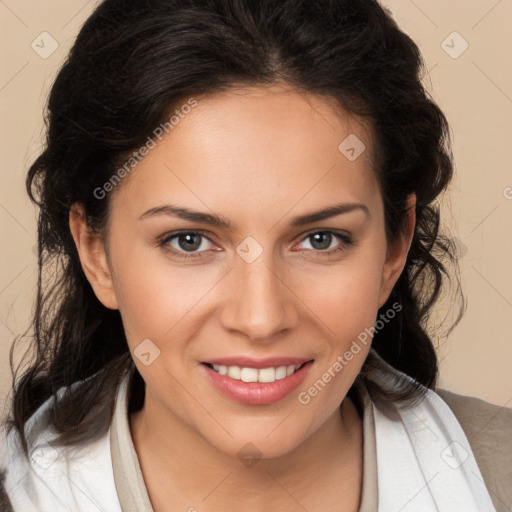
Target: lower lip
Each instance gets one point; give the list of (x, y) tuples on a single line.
[(257, 393)]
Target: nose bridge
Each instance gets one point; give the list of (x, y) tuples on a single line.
[(258, 304)]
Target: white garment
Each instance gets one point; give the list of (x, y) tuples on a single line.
[(424, 461), (61, 479)]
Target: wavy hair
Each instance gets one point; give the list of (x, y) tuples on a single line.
[(132, 64)]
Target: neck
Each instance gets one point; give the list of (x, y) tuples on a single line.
[(192, 471)]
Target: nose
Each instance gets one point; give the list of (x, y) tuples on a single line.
[(260, 305)]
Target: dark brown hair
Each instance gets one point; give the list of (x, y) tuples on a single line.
[(5, 504), (132, 64)]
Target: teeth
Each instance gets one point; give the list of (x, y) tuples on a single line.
[(249, 374), (281, 372), (234, 372), (266, 375), (255, 374)]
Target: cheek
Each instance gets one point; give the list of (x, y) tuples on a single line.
[(344, 297), (155, 297), (345, 303)]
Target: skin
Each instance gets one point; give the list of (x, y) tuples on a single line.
[(257, 157)]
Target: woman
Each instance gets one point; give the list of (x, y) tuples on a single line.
[(240, 200)]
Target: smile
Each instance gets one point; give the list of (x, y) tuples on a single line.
[(245, 374), (257, 386)]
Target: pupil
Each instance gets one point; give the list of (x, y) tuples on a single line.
[(323, 244), (189, 244)]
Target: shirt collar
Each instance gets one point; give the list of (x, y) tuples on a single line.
[(130, 486)]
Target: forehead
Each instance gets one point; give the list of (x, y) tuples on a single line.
[(275, 118), (257, 148)]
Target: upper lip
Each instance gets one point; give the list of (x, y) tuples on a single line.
[(249, 362)]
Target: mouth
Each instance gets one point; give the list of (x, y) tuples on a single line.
[(256, 382)]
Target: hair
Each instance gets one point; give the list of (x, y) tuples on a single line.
[(5, 504), (132, 64)]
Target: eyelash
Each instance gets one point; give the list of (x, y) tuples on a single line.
[(346, 239)]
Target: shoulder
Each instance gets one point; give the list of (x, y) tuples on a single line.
[(483, 423), (55, 477), (477, 412), (488, 428)]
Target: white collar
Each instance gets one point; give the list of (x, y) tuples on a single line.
[(418, 455), (131, 489)]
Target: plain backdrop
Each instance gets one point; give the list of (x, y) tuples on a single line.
[(466, 45)]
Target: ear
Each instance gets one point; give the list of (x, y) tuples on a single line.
[(397, 253), (93, 257)]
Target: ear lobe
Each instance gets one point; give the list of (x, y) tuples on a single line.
[(93, 257), (397, 253)]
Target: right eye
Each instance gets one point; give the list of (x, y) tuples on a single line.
[(186, 244)]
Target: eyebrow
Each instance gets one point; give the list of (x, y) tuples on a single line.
[(216, 221)]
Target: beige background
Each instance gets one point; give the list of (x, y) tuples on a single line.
[(474, 90)]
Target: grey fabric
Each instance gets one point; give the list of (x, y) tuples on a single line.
[(128, 478), (488, 428), (370, 491)]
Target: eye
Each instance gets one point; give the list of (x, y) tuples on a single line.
[(187, 242), (327, 242)]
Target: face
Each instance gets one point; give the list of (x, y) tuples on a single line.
[(213, 256)]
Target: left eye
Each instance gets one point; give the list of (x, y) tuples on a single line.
[(322, 240)]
